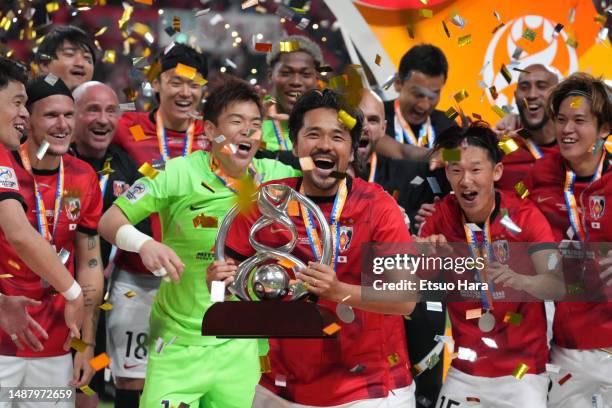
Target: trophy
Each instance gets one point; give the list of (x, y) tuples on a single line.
[(270, 303)]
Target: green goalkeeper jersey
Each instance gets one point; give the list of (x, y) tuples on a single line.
[(191, 202)]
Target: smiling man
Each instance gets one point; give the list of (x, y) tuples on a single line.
[(69, 53), (64, 202), (317, 372), (192, 196)]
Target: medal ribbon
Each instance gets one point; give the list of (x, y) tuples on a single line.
[(373, 161), (576, 221), (103, 181), (533, 148), (163, 142), (281, 137), (41, 212), (403, 131), (334, 223), (485, 251)]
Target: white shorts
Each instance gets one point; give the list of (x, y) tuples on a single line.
[(41, 373), (493, 392), (400, 398), (127, 323), (590, 384)]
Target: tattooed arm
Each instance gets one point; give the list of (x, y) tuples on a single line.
[(89, 276)]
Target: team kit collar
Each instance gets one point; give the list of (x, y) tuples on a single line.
[(404, 133)]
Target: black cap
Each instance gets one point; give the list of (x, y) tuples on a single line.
[(44, 86), (183, 54)]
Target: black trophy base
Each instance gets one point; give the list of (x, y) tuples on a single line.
[(267, 319)]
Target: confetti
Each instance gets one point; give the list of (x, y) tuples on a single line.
[(434, 185), (417, 181), (602, 35), (576, 102), (558, 28), (445, 27), (496, 15), (219, 139), (552, 368), (127, 107), (147, 2), (472, 399), (100, 31), (357, 369), (493, 92), (521, 189), (434, 306), (99, 362), (451, 113), (378, 59), (489, 342), (13, 264), (427, 13), (449, 155), (458, 20), (473, 313), (264, 364), (51, 79), (506, 74), (293, 208), (517, 53), (280, 380), (176, 24), (159, 345), (520, 371), (529, 35), (263, 47), (52, 7), (461, 95), (510, 225), (249, 3), (185, 71), (109, 56), (147, 170), (507, 145), (565, 378), (464, 40), (286, 263), (464, 353), (346, 119), (137, 133), (513, 318), (217, 291), (230, 63), (42, 149), (106, 306), (393, 359), (332, 329), (289, 46), (129, 294), (553, 261), (78, 344), (499, 111), (87, 390)]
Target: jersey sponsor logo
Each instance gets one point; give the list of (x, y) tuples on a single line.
[(130, 366), (136, 192), (8, 178), (346, 235), (119, 187), (501, 251), (597, 206), (73, 208), (542, 199)]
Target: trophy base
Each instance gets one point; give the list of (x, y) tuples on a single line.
[(267, 319)]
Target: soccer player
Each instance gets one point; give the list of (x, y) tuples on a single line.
[(192, 196), (291, 73), (154, 137), (572, 188), (68, 188), (24, 240), (69, 53), (356, 365), (538, 137), (474, 214)]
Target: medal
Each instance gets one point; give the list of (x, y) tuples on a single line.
[(486, 322), (345, 313)]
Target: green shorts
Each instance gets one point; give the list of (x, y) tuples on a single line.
[(222, 375)]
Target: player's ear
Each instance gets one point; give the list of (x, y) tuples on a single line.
[(155, 84), (498, 170), (209, 129)]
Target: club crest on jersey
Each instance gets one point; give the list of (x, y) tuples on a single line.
[(501, 251), (119, 187), (136, 192), (597, 206), (346, 235), (8, 178), (73, 208)]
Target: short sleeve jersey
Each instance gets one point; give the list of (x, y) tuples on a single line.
[(9, 185), (525, 343), (318, 370), (80, 211), (191, 202)]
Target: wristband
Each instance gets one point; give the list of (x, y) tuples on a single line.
[(130, 239), (73, 292)]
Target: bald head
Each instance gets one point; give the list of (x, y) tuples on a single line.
[(97, 115), (531, 93), (374, 123)]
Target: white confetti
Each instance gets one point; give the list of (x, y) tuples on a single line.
[(42, 150), (433, 184), (280, 380), (231, 63), (417, 181), (510, 225), (552, 368), (219, 139), (127, 107), (434, 306), (552, 261), (465, 353), (448, 340), (51, 79), (489, 342), (217, 291), (458, 21), (216, 19)]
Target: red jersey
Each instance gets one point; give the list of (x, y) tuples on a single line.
[(577, 325), (9, 185), (80, 210), (525, 343), (518, 164), (148, 150), (325, 372)]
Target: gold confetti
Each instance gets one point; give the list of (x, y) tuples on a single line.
[(200, 80), (129, 294), (393, 359), (13, 264), (147, 170), (576, 102), (100, 31), (571, 41), (521, 189), (52, 7), (600, 18), (289, 46), (347, 119), (6, 275), (499, 111), (493, 92), (427, 13), (332, 329), (449, 155), (264, 364), (506, 74), (87, 390), (445, 27), (513, 318), (508, 145), (377, 59), (78, 344), (109, 56), (464, 40), (176, 24), (473, 313), (249, 3), (185, 71), (246, 191), (127, 14), (99, 362), (106, 306), (461, 95), (137, 133), (520, 371)]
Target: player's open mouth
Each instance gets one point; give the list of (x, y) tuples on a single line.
[(245, 147), (20, 127), (533, 107), (100, 132), (469, 196), (364, 143), (568, 140), (78, 73), (324, 163), (183, 104), (59, 136)]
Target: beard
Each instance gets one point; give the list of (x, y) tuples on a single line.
[(532, 126)]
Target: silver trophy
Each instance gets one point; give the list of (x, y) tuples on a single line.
[(263, 276)]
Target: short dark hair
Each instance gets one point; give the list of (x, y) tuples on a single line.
[(594, 89), (325, 98), (11, 70), (425, 58), (226, 90), (478, 134), (56, 37)]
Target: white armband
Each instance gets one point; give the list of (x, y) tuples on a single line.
[(73, 292), (130, 239)]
